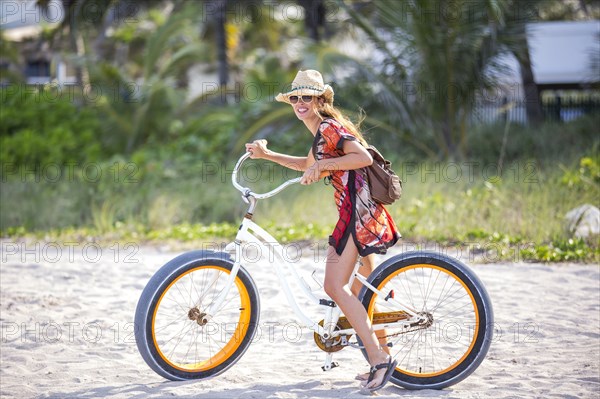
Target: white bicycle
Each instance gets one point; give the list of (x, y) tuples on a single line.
[(199, 313)]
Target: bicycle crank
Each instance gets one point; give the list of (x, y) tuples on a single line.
[(335, 344)]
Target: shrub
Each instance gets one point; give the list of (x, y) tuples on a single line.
[(39, 127)]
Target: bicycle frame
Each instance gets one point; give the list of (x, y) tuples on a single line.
[(251, 233)]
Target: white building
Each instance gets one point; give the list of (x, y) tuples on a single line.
[(564, 55), (21, 20), (565, 58)]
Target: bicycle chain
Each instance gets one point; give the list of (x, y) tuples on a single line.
[(339, 343), (415, 326)]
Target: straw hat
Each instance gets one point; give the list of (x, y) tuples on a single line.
[(307, 83)]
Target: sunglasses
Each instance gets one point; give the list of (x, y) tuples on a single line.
[(305, 99)]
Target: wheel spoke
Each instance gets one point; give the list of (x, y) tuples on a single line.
[(429, 349), (183, 340), (201, 298)]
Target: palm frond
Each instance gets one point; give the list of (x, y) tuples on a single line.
[(182, 58), (159, 42), (267, 119)]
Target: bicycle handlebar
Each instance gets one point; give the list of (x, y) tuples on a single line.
[(246, 191)]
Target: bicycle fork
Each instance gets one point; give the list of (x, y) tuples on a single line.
[(216, 305)]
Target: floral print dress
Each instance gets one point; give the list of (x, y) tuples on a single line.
[(370, 225)]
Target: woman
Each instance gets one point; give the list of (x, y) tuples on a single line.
[(363, 228)]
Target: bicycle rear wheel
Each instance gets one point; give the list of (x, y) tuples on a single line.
[(457, 329), (173, 333)]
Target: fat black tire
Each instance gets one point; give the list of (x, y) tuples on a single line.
[(482, 300), (150, 297)]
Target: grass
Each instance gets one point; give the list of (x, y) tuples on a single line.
[(515, 210), (519, 210)]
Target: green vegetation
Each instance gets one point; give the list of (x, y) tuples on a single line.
[(515, 212), (563, 251), (42, 126), (134, 151)]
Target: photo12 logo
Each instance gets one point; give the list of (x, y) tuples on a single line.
[(54, 12), (89, 172), (55, 252)]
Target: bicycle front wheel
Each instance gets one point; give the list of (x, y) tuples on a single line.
[(456, 312), (175, 335)]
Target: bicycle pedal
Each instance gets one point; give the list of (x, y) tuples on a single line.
[(355, 345), (333, 365)]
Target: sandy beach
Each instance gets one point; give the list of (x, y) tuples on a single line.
[(66, 314)]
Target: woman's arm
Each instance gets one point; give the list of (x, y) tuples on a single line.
[(289, 161), (355, 156), (259, 150)]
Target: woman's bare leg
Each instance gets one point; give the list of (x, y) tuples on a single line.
[(337, 275), (367, 267)]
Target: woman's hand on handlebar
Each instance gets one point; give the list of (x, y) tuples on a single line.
[(312, 174), (257, 149)]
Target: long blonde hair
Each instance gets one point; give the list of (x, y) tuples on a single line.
[(327, 110)]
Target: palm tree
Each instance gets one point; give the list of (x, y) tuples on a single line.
[(273, 119), (95, 18), (446, 50), (143, 98)]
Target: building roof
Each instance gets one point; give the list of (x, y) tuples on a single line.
[(22, 19), (562, 52)]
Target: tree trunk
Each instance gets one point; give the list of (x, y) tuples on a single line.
[(450, 150), (76, 44), (314, 18), (584, 8), (100, 45), (533, 104), (221, 36)]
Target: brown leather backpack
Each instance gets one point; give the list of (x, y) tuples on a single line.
[(384, 184)]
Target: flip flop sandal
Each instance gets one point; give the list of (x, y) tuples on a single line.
[(390, 366)]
